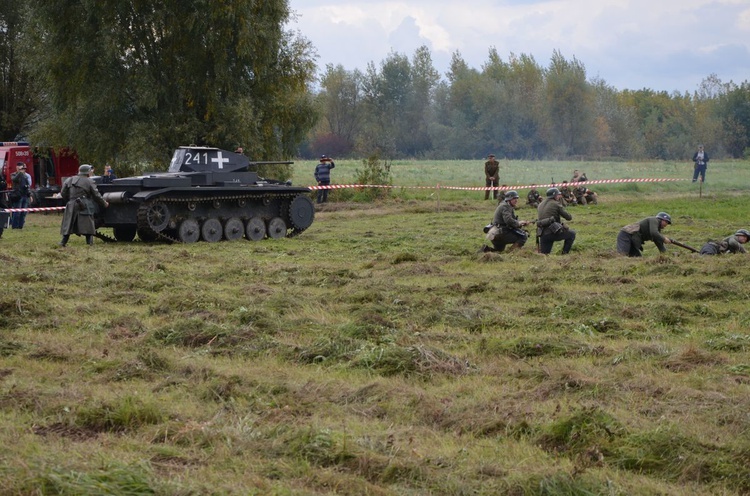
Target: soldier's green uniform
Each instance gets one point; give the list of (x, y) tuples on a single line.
[(730, 244), (584, 195), (631, 237), (533, 199), (567, 196), (491, 169), (506, 228), (549, 223)]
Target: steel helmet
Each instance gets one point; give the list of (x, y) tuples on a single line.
[(85, 169), (743, 232), (664, 216), (552, 192), (509, 195)]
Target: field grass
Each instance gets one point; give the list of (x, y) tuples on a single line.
[(378, 353)]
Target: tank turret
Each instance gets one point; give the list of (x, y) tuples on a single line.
[(207, 194)]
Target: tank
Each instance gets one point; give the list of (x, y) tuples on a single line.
[(207, 194)]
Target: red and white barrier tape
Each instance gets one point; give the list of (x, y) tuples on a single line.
[(37, 209), (503, 188), (438, 186)]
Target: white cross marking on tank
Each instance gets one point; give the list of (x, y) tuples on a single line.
[(220, 158)]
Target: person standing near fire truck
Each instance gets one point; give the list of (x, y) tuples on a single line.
[(20, 194), (3, 200), (80, 193)]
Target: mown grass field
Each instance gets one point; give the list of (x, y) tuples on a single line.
[(378, 353)]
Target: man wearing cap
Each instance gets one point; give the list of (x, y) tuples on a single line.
[(323, 176), (80, 193), (730, 244), (549, 226), (491, 171), (700, 159), (631, 237), (20, 195), (506, 228)]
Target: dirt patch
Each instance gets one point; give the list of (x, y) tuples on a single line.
[(67, 431)]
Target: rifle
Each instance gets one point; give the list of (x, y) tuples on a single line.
[(682, 245)]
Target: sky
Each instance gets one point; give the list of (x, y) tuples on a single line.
[(663, 45)]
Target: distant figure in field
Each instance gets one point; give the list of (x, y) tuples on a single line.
[(700, 159), (533, 199), (491, 171), (578, 177), (585, 196), (323, 176), (568, 198), (730, 244), (631, 237)]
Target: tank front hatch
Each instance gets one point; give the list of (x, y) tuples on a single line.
[(205, 159)]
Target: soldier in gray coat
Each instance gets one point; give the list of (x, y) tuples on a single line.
[(730, 244), (80, 193), (631, 237)]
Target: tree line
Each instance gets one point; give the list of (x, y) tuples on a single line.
[(125, 82), (519, 109)]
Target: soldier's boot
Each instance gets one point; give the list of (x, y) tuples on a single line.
[(89, 240), (64, 240)]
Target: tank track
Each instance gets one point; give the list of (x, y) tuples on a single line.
[(144, 225)]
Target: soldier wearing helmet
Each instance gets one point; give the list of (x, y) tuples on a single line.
[(631, 237), (533, 199), (506, 228), (549, 226), (730, 244), (80, 194)]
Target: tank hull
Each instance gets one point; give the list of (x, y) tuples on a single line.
[(209, 205)]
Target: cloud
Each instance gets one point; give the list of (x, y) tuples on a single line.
[(628, 43)]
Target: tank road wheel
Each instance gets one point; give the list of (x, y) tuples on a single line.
[(301, 214), (255, 229), (233, 229), (211, 230), (276, 228), (157, 216), (189, 231), (124, 233)]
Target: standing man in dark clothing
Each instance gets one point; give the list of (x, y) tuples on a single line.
[(323, 176), (700, 158), (631, 237), (109, 175), (549, 223), (506, 228), (20, 195), (80, 193), (3, 200), (491, 172), (730, 244)]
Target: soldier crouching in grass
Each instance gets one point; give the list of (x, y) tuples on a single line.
[(506, 228), (549, 223), (730, 244), (631, 237)]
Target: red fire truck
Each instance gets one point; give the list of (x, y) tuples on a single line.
[(48, 168)]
